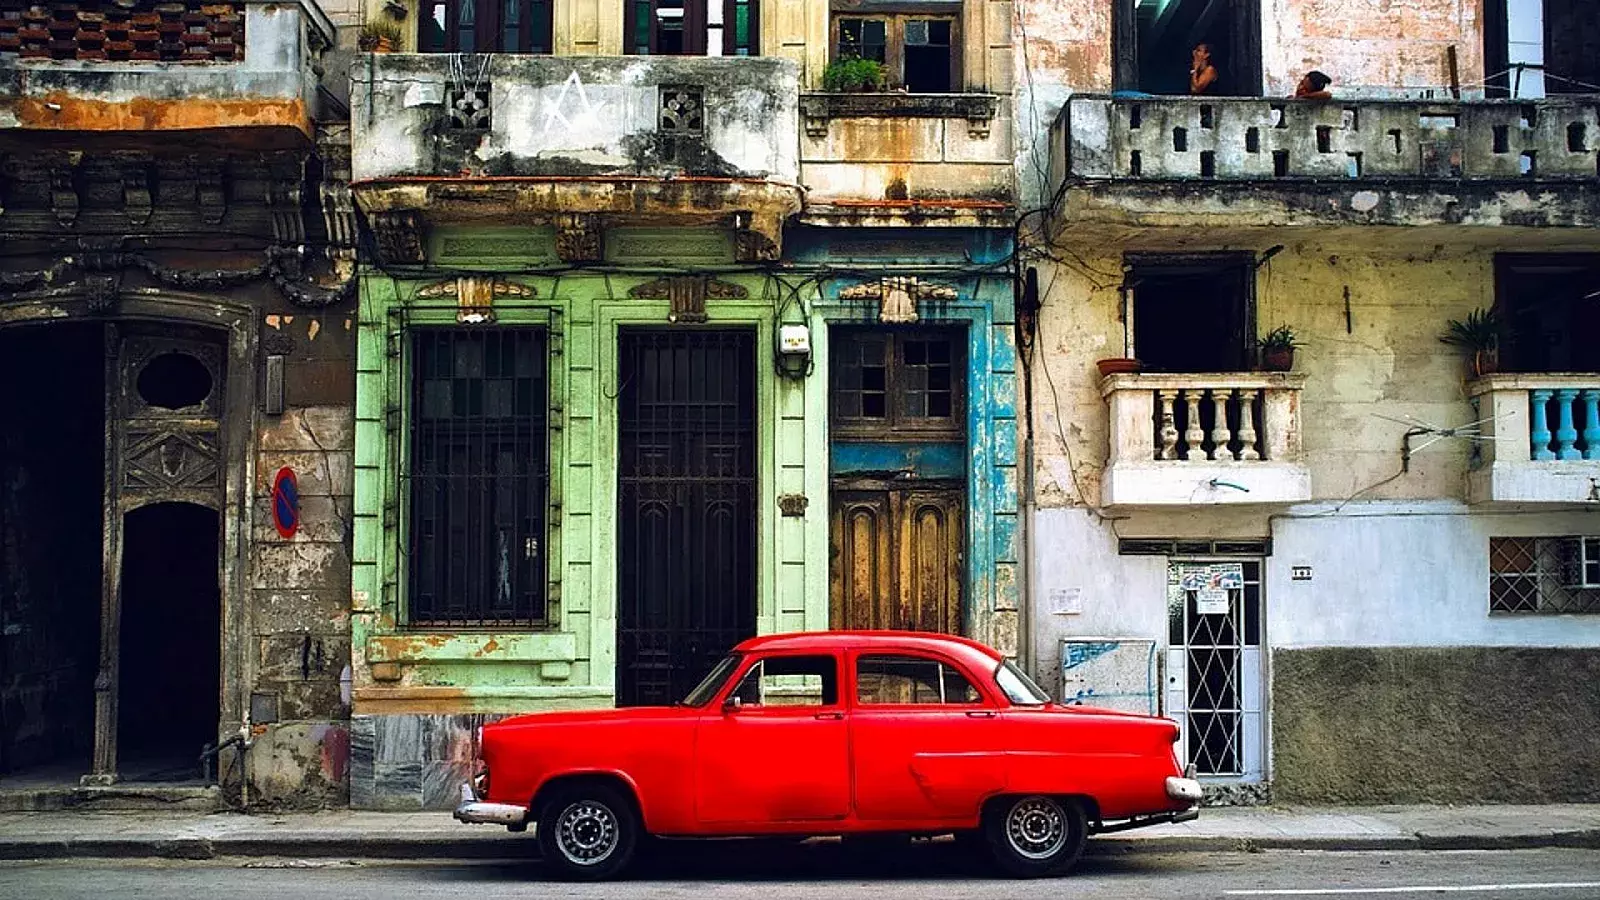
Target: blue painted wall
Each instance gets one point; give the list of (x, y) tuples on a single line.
[(974, 261)]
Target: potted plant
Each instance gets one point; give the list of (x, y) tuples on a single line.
[(379, 36), (1277, 349), (1479, 335), (853, 75)]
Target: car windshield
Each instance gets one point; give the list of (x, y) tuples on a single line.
[(1018, 687), (712, 683)]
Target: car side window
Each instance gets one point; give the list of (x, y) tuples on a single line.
[(790, 681), (887, 679)]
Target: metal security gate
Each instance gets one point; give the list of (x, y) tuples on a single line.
[(1214, 664), (686, 522)]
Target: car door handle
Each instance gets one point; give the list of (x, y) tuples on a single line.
[(980, 714), (832, 717)]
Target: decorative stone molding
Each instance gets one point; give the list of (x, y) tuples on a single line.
[(399, 236), (578, 238), (897, 297), (688, 294), (475, 295), (284, 267)]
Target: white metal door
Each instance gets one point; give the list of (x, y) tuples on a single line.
[(1214, 686)]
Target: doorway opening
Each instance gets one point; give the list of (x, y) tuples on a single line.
[(169, 680), (1193, 314), (686, 518), (1532, 48), (897, 427), (1215, 685), (1155, 39), (1549, 307), (52, 461)]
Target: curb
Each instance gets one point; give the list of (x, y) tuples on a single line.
[(479, 849)]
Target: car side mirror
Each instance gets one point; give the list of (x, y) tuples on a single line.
[(732, 705)]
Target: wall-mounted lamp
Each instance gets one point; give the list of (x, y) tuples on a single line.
[(794, 350)]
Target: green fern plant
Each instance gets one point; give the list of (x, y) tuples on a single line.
[(844, 75)]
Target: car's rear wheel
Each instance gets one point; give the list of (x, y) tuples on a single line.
[(588, 831), (1034, 836)]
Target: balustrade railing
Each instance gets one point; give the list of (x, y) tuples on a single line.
[(1209, 423), (1564, 423)]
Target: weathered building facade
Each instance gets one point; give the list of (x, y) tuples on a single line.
[(174, 332), (663, 347), (1368, 577)]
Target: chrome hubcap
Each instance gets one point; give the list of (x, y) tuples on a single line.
[(587, 832), (1036, 828)]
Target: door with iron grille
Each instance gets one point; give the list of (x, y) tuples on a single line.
[(686, 519), (1214, 665)]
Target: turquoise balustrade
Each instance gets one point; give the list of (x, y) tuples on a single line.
[(1573, 407)]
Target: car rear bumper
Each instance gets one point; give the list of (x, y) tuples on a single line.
[(471, 809), (1185, 789), (1165, 818)]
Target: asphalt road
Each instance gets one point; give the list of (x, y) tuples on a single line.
[(929, 872)]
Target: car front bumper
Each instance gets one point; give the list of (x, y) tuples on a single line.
[(471, 809)]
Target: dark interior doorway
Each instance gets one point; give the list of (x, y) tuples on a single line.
[(1154, 41), (1549, 308), (52, 458), (1193, 315), (167, 701)]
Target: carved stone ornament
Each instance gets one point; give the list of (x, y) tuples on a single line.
[(578, 238), (688, 294), (475, 295), (399, 237), (897, 296)]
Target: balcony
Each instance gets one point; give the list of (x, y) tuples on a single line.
[(578, 143), (1542, 439), (898, 159), (232, 74), (1137, 162), (1204, 439)]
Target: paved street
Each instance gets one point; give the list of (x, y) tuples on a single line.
[(929, 872)]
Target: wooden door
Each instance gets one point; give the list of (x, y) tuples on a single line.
[(897, 559)]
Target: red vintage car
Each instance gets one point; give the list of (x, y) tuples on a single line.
[(838, 733)]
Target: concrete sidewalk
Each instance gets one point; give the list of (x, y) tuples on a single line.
[(376, 835)]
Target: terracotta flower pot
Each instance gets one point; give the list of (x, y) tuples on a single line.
[(1484, 362), (1277, 359), (1116, 366)]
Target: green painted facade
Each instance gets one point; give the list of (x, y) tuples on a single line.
[(571, 661)]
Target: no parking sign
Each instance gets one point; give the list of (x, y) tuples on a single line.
[(286, 502)]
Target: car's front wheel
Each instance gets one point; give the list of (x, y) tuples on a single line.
[(588, 832), (1034, 836)]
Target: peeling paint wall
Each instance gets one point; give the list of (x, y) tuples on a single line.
[(553, 116), (1372, 47), (300, 586)]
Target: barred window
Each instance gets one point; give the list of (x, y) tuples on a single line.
[(1548, 575), (478, 476)]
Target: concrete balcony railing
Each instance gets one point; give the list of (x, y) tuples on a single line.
[(875, 158), (579, 142), (1542, 439), (1374, 158), (142, 65), (1204, 439)]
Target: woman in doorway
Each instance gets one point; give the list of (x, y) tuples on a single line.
[(1202, 73)]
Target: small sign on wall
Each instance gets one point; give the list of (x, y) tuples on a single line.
[(1066, 601), (286, 503)]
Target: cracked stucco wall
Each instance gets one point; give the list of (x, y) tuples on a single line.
[(300, 640)]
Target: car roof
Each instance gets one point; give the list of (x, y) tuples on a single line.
[(966, 649)]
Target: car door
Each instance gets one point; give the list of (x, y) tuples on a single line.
[(776, 748), (927, 743)]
